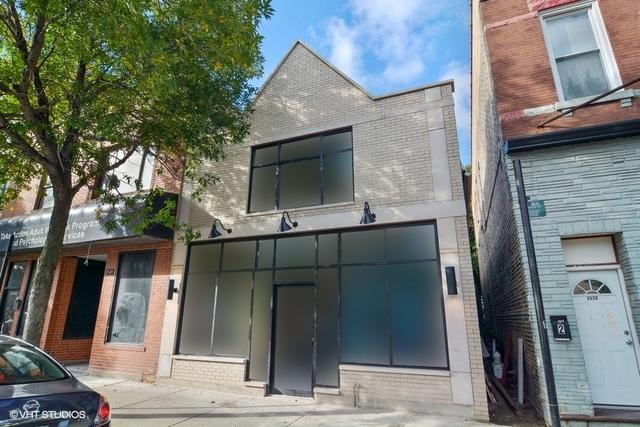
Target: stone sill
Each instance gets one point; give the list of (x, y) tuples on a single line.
[(215, 359), (392, 370), (327, 390), (621, 94)]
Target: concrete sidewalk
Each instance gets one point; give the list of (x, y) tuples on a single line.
[(141, 404)]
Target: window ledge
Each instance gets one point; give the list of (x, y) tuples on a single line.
[(125, 346), (393, 370), (616, 96), (218, 359), (300, 209), (327, 390)]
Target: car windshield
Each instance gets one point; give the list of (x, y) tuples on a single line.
[(20, 364)]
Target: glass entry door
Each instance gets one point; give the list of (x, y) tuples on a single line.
[(293, 340)]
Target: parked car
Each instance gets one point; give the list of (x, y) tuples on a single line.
[(35, 390)]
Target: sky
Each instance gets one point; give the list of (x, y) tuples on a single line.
[(384, 45)]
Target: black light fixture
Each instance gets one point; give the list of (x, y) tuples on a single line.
[(284, 226), (214, 230), (452, 285), (367, 217)]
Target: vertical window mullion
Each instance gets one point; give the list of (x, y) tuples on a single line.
[(322, 170)]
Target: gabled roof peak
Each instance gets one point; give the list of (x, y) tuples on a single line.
[(346, 77)]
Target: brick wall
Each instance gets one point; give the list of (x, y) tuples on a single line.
[(507, 299), (390, 140), (396, 390), (170, 180), (522, 72), (585, 201), (52, 341), (135, 361), (208, 371)]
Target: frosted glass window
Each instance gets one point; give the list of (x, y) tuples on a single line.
[(338, 177), (327, 328), (265, 156), (300, 184), (296, 251), (365, 329), (307, 172), (363, 246), (133, 289), (239, 255), (577, 54), (197, 317), (337, 142), (265, 253), (307, 275), (415, 242), (231, 327), (204, 258), (300, 149), (327, 249), (261, 327), (263, 189), (417, 322)]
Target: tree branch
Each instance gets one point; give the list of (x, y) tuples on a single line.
[(20, 142)]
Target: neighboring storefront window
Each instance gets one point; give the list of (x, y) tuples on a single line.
[(131, 301), (25, 303), (10, 295), (378, 292), (85, 298), (311, 171)]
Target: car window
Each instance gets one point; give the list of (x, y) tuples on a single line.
[(20, 364)]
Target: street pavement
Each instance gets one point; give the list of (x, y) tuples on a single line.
[(142, 404)]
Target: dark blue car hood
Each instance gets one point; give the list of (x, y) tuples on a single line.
[(48, 403)]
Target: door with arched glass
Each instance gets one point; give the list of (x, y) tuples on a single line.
[(607, 336)]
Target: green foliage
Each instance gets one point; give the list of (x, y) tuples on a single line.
[(83, 83)]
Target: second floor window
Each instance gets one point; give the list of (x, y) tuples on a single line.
[(579, 50), (46, 195), (306, 172), (137, 168)]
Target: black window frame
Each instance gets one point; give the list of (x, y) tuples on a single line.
[(278, 163), (317, 267)]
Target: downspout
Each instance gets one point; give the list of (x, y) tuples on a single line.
[(537, 297)]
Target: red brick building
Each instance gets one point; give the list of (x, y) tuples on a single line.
[(576, 178), (107, 301)]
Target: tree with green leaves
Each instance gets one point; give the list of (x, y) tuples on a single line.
[(85, 84)]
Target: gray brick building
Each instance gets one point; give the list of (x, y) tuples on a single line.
[(332, 308), (581, 176)]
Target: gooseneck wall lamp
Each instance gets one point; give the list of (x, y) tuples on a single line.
[(367, 217), (214, 230), (284, 225)]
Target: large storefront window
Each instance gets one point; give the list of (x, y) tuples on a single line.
[(131, 301), (310, 171), (377, 297)]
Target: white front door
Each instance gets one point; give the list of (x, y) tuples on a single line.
[(606, 336)]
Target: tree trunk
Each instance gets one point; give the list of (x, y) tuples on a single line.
[(47, 263)]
